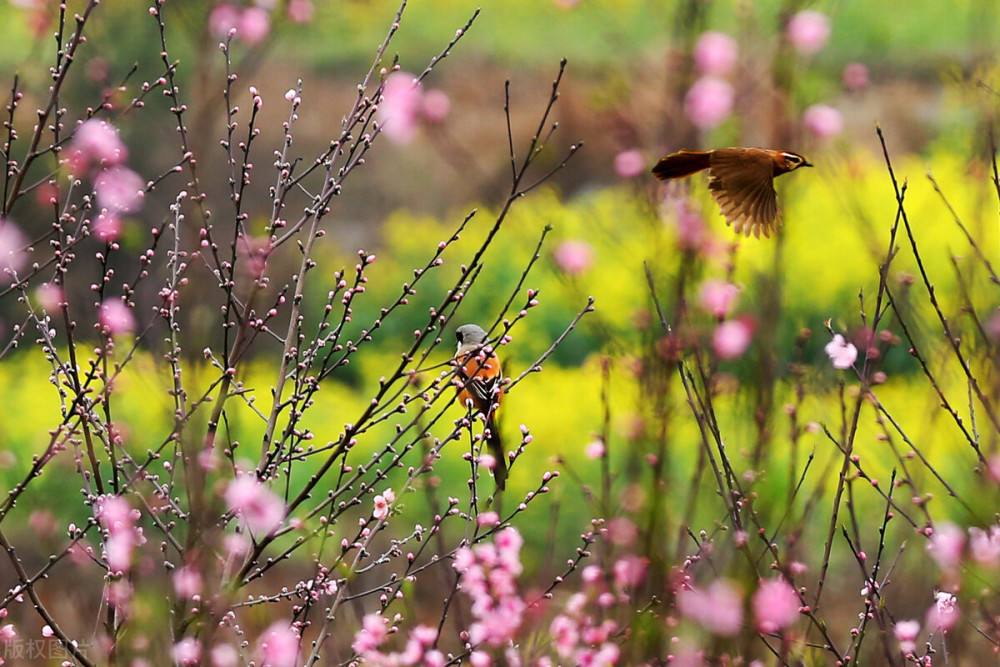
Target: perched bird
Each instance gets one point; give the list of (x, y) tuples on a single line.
[(480, 384), (741, 181)]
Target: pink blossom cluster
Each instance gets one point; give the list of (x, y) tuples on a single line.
[(13, 257), (947, 546), (710, 99), (122, 535), (252, 24), (418, 650), (261, 511), (405, 104), (98, 150), (489, 574)]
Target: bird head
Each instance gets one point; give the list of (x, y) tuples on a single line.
[(470, 336), (788, 161)]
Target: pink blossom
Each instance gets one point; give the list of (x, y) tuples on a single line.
[(906, 634), (107, 226), (855, 76), (595, 449), (115, 317), (691, 231), (187, 651), (300, 11), (47, 631), (946, 544), (118, 551), (717, 608), (400, 107), (12, 244), (731, 339), (984, 547), (372, 633), (808, 31), (223, 18), (574, 257), (187, 582), (96, 142), (823, 121), (488, 519), (8, 633), (114, 513), (382, 503), (435, 106), (119, 189), (622, 531), (775, 605), (629, 572), (279, 646), (255, 24), (630, 163), (717, 297), (565, 635), (480, 659), (236, 545), (841, 353), (224, 655), (943, 614), (715, 53), (260, 509), (49, 297), (708, 102)]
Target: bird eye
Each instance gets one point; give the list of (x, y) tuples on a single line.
[(458, 336)]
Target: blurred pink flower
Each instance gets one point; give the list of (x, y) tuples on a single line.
[(255, 504), (715, 53), (823, 121), (12, 245), (115, 317), (47, 631), (565, 635), (224, 655), (630, 163), (943, 614), (480, 659), (279, 646), (223, 18), (49, 296), (708, 102), (731, 339), (718, 608), (42, 523), (435, 106), (946, 545), (488, 519), (187, 651), (107, 226), (399, 110), (984, 547), (691, 231), (595, 449), (300, 11), (717, 297), (254, 26), (119, 189), (629, 572), (855, 76), (808, 31), (841, 353), (95, 143), (8, 633), (187, 582), (565, 4), (372, 633), (573, 257), (775, 605), (622, 531), (118, 550), (906, 634), (993, 326)]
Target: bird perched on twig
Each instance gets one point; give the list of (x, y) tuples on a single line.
[(479, 379), (740, 179)]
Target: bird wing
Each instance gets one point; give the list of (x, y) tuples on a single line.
[(742, 182)]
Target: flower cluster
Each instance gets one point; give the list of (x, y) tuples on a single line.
[(489, 574), (405, 105)]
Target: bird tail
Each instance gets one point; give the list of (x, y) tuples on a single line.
[(496, 449), (681, 164)]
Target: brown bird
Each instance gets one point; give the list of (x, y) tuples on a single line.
[(479, 380), (741, 181)]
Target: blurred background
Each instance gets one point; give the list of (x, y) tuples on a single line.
[(645, 77)]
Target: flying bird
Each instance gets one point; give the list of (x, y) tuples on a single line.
[(740, 179), (479, 379)]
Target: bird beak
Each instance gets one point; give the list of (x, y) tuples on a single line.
[(806, 164)]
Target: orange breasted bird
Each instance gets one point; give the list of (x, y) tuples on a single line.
[(480, 381), (740, 179)]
